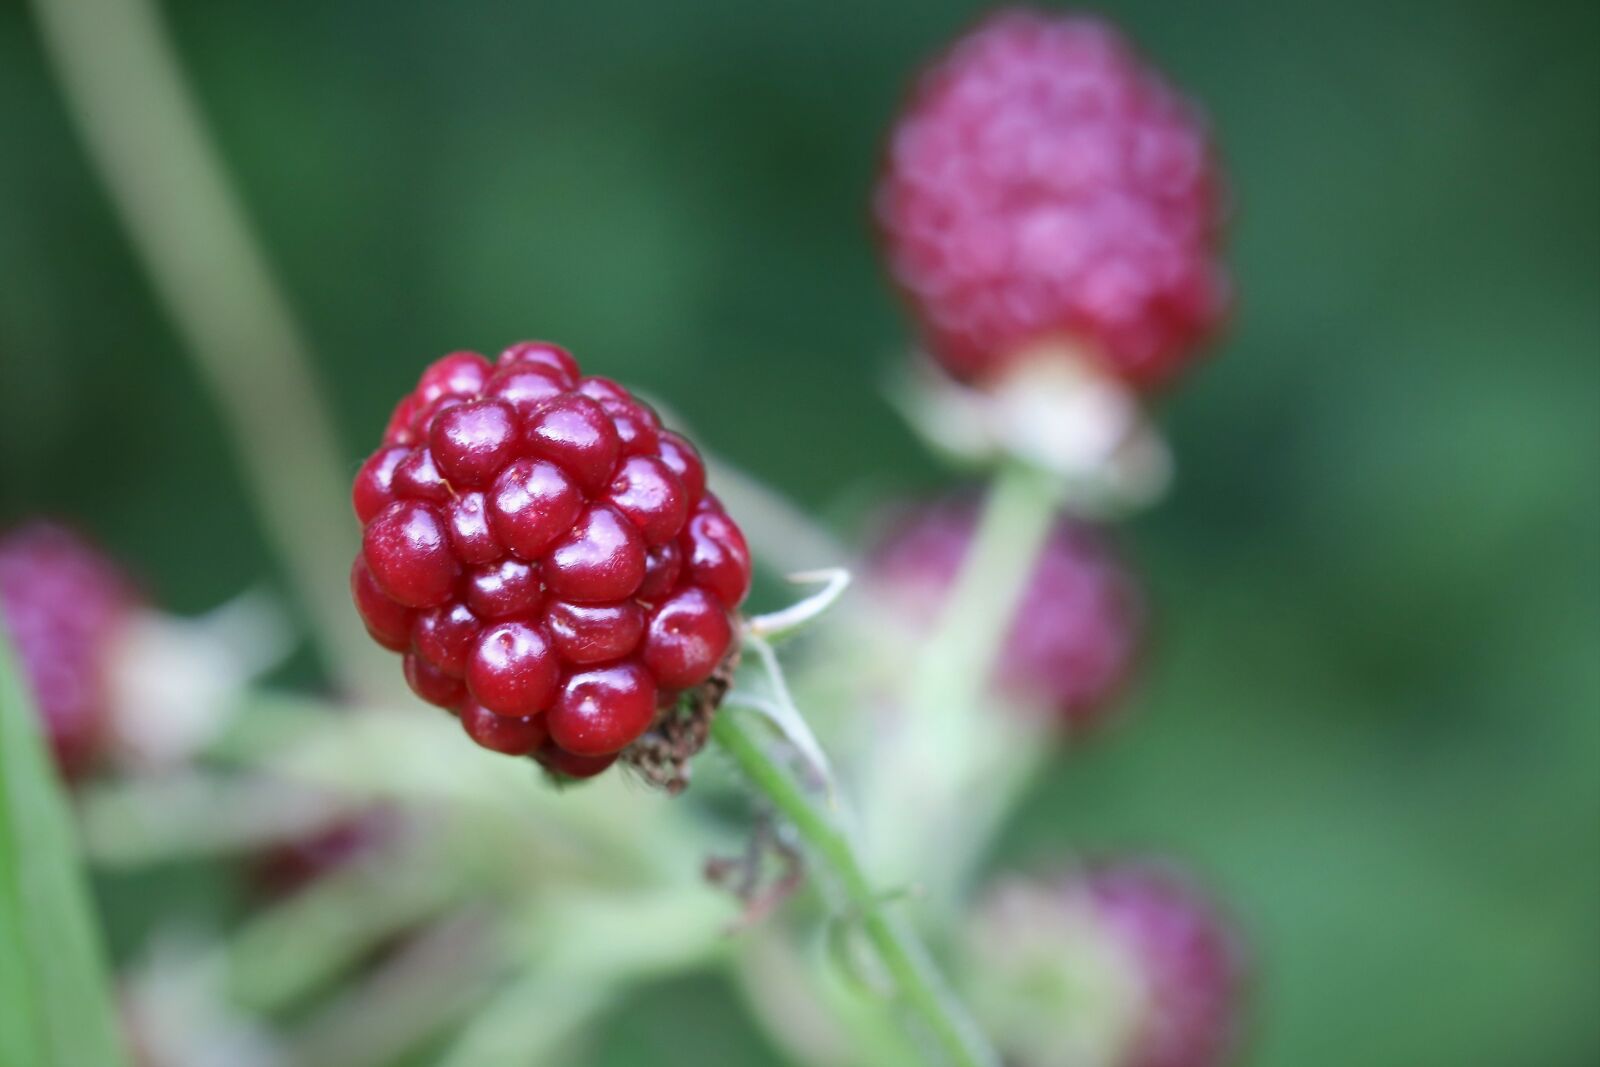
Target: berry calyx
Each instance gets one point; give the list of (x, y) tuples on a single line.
[(64, 605), (544, 555), (1076, 633), (1044, 182)]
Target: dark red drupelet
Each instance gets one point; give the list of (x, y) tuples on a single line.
[(64, 604), (1077, 630), (545, 555), (1044, 182)]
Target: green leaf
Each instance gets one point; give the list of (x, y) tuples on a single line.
[(55, 1008)]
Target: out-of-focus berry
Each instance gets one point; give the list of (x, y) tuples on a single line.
[(1077, 629), (1045, 182), (1120, 965), (65, 604)]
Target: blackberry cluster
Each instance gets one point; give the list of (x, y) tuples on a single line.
[(1075, 634), (544, 555), (64, 603), (1045, 182)]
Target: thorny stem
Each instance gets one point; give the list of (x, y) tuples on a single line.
[(920, 987), (145, 136)]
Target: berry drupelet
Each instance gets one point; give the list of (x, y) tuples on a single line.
[(1125, 964), (544, 555), (1076, 632), (1045, 184), (65, 604)]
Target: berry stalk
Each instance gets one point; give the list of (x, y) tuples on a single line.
[(919, 985), (144, 135), (978, 760)]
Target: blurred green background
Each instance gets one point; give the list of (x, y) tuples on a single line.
[(1372, 715)]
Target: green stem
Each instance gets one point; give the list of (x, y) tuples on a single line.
[(145, 136), (954, 668), (920, 987), (956, 765)]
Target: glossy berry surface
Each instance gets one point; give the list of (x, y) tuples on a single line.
[(544, 555), (1123, 964), (1077, 631), (64, 604), (1043, 182)]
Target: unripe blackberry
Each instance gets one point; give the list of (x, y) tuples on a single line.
[(1076, 632), (1043, 182), (545, 556), (1122, 965), (64, 604)]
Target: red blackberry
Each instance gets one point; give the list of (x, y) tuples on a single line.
[(1076, 632), (1125, 965), (1044, 182), (545, 555), (64, 604)]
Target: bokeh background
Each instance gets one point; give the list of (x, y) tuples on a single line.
[(1372, 715)]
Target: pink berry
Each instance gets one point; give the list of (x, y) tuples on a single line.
[(417, 477), (523, 526), (1076, 633), (388, 622), (586, 634), (1045, 182), (575, 432), (564, 764), (472, 538), (398, 433), (637, 426), (1128, 955), (458, 374), (64, 605), (502, 733), (683, 459), (472, 442), (502, 590), (432, 684), (1190, 959), (408, 552), (512, 670), (600, 558), (651, 496), (689, 633), (526, 386), (603, 390), (604, 710), (533, 502), (374, 488), (446, 636), (717, 555), (542, 354), (663, 564)]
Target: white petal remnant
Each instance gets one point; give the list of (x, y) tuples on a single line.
[(1054, 410), (787, 621)]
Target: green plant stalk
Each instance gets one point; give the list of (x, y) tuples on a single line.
[(56, 1005), (935, 795), (919, 986), (954, 668), (146, 138)]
